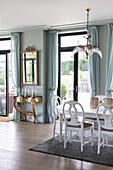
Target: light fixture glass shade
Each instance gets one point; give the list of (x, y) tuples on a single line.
[(88, 49)]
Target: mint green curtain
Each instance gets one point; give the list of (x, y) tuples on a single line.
[(94, 63), (15, 56), (109, 62), (52, 71)]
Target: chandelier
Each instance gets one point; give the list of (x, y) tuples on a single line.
[(88, 49)]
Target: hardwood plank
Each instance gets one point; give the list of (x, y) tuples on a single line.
[(17, 137)]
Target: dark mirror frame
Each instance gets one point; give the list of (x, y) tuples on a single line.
[(29, 50)]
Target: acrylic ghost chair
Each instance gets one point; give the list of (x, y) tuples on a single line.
[(74, 125), (105, 128)]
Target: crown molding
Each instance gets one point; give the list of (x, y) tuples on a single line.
[(81, 24), (23, 29), (59, 27)]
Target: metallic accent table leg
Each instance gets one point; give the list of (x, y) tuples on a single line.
[(33, 108), (17, 108)]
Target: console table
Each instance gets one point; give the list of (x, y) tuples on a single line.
[(31, 100)]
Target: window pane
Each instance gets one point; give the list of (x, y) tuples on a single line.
[(5, 45), (68, 41), (69, 86), (12, 89), (2, 84), (67, 75), (83, 81)]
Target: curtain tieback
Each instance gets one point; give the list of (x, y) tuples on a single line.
[(51, 89), (93, 90), (108, 91)]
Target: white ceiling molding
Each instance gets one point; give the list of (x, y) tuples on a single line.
[(69, 27), (81, 25), (23, 29)]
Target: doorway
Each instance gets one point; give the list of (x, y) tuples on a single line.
[(4, 92), (7, 91), (73, 74)]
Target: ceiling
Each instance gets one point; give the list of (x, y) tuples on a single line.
[(25, 14)]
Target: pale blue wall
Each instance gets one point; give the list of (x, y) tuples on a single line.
[(103, 46), (37, 40)]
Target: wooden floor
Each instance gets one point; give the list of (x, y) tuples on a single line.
[(17, 137)]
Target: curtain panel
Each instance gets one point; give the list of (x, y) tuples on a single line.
[(15, 60), (52, 72), (94, 63), (109, 62)]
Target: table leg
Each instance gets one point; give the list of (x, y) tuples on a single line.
[(17, 108), (33, 108), (60, 120)]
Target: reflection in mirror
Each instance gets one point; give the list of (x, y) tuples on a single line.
[(29, 66)]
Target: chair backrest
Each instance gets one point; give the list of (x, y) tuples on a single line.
[(101, 98), (71, 108), (106, 111), (56, 100)]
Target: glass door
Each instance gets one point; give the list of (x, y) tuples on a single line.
[(67, 76), (3, 85), (73, 74), (83, 81), (7, 90)]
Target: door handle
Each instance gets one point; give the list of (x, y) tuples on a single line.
[(76, 89)]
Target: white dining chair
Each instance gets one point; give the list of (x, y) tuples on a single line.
[(56, 100), (105, 128), (74, 125)]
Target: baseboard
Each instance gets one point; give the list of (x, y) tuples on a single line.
[(39, 118)]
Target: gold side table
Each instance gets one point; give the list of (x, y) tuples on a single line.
[(23, 100)]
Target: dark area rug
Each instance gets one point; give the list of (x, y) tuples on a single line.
[(52, 146)]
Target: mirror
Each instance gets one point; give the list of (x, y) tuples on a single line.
[(29, 66)]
